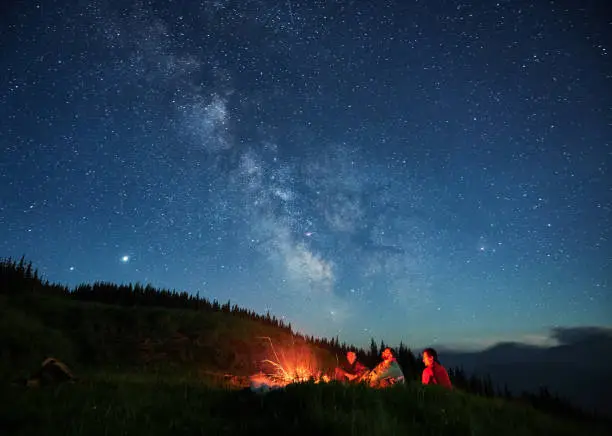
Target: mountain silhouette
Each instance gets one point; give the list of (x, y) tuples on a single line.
[(578, 369)]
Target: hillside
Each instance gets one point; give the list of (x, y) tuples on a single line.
[(97, 336), (149, 369)]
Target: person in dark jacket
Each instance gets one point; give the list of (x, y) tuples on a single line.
[(352, 370), (434, 373)]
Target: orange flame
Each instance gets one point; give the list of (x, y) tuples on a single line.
[(295, 366)]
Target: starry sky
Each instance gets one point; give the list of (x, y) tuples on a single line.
[(435, 172)]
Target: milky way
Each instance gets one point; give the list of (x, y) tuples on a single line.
[(429, 172)]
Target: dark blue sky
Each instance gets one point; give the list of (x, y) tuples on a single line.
[(428, 171)]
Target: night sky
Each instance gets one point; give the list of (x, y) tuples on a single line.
[(435, 172)]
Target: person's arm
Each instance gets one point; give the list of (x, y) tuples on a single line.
[(427, 376), (383, 371), (393, 371), (360, 374), (442, 376), (377, 372), (361, 369)]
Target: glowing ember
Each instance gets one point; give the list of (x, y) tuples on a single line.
[(297, 366)]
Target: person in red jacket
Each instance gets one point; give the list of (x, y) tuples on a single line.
[(434, 373)]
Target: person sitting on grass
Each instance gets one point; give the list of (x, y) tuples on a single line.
[(352, 372), (434, 373), (387, 373)]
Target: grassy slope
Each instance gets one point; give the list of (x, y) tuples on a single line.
[(121, 394), (160, 407), (93, 335)]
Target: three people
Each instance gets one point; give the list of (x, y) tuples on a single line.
[(434, 372), (388, 372)]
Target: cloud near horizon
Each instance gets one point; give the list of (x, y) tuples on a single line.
[(555, 336), (573, 335)]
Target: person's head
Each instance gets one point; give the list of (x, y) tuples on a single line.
[(429, 356), (351, 357), (387, 354)]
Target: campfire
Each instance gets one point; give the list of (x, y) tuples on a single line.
[(297, 365)]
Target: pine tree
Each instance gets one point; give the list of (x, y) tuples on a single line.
[(373, 352)]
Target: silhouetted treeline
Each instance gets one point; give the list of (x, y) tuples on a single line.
[(148, 296), (482, 386), (542, 400), (548, 402), (20, 277)]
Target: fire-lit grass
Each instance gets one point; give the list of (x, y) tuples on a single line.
[(155, 406), (292, 365)]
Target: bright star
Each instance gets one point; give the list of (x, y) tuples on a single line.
[(125, 259)]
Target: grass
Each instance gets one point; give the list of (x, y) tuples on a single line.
[(134, 404)]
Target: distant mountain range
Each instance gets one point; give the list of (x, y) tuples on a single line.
[(579, 369)]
